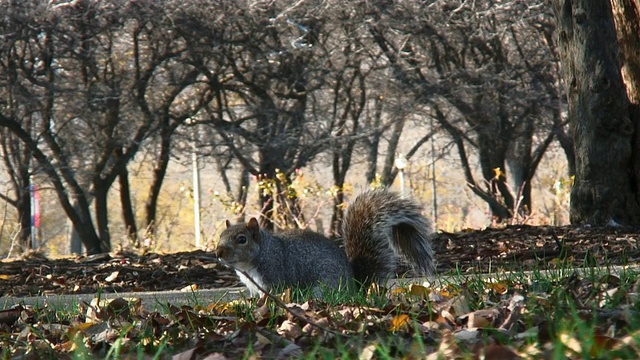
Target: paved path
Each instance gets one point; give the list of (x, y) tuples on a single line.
[(159, 299), (150, 300)]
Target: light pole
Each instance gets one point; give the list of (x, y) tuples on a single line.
[(196, 184), (401, 164)]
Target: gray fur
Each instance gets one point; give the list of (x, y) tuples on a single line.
[(291, 258), (379, 227)]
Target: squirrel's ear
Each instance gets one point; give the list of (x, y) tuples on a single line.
[(254, 229), (227, 224)]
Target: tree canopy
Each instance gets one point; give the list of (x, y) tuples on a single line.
[(266, 88)]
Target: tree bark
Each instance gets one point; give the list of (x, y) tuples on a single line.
[(102, 217), (159, 172), (626, 14), (128, 214), (604, 190)]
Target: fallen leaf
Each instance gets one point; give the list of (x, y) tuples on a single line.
[(485, 318), (571, 343), (290, 330), (602, 345), (112, 277), (399, 322), (419, 290), (368, 352), (499, 288), (290, 351), (190, 288), (10, 316)]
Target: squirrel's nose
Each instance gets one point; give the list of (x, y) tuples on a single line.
[(219, 252)]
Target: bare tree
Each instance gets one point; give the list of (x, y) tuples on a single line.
[(17, 164), (90, 73), (603, 119), (482, 76), (261, 64)]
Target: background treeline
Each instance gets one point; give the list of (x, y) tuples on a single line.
[(263, 88)]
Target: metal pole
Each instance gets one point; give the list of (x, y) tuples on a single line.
[(34, 229), (433, 178), (196, 191), (401, 163), (402, 190)]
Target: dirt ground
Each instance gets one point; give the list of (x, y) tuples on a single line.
[(509, 248)]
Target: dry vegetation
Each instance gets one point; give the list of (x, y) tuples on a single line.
[(550, 311)]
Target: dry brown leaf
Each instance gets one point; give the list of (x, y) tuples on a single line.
[(368, 352), (82, 327), (601, 345), (10, 316), (398, 291), (286, 296), (118, 308), (498, 287), (419, 290), (630, 340), (485, 318), (290, 351), (262, 312), (469, 336), (606, 296), (314, 330), (446, 318), (571, 343), (399, 322), (290, 330), (112, 277), (448, 348), (460, 305), (190, 288)]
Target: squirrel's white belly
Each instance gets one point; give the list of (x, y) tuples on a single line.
[(256, 277)]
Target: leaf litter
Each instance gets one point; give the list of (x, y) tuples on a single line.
[(515, 324), (572, 316)]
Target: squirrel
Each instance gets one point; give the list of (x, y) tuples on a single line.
[(378, 227)]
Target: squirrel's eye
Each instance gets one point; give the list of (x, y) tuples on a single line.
[(241, 239)]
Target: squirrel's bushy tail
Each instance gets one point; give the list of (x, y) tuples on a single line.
[(381, 226)]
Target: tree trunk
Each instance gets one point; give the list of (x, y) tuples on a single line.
[(374, 142), (102, 218), (242, 194), (519, 162), (128, 215), (159, 172), (24, 213), (626, 14), (75, 241), (492, 156), (605, 190), (389, 172)]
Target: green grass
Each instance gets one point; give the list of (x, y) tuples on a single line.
[(563, 314)]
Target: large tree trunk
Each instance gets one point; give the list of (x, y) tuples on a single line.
[(128, 215), (24, 207), (605, 189), (159, 172), (626, 14), (102, 218)]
